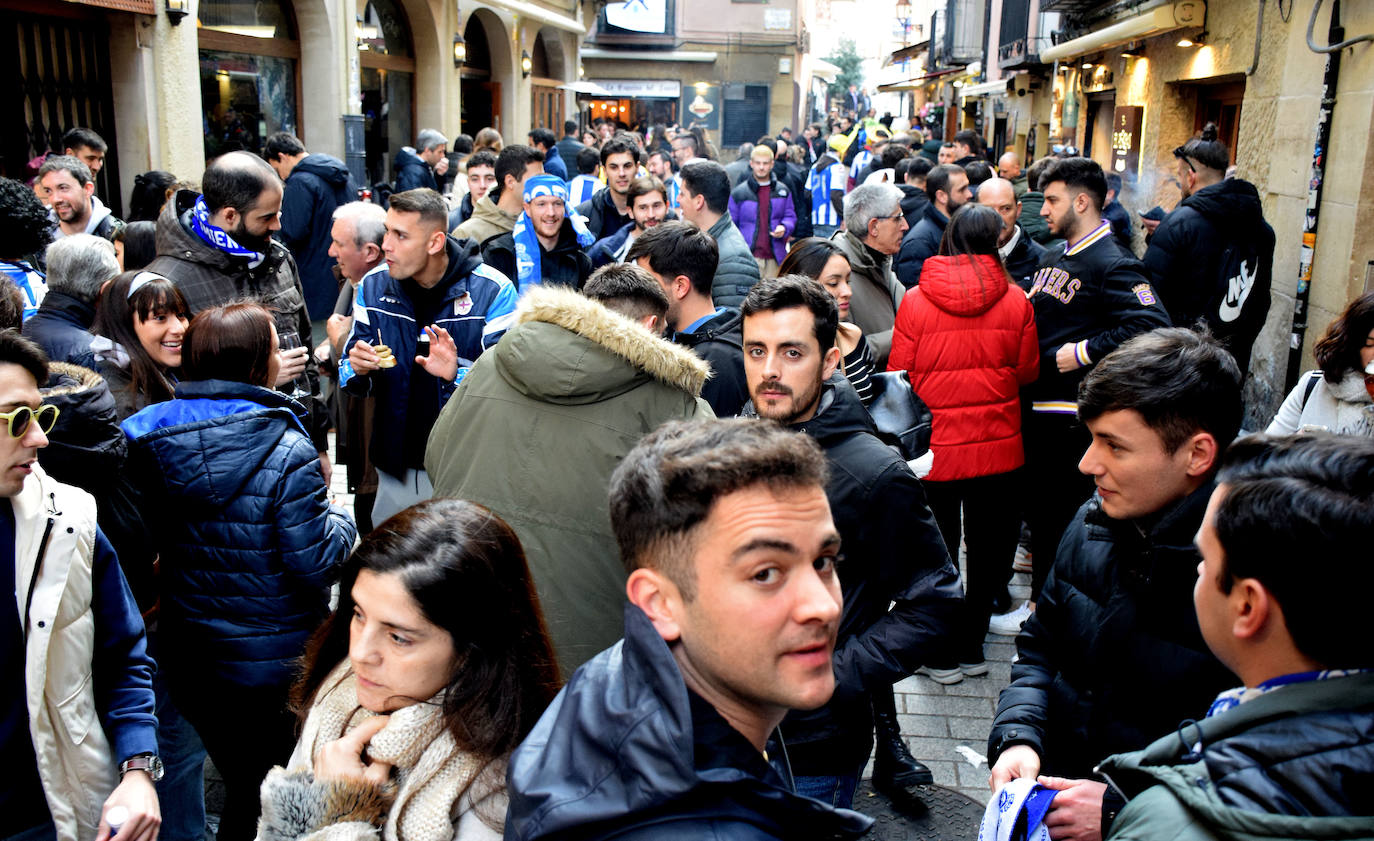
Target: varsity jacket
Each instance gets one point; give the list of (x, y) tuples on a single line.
[(1095, 296)]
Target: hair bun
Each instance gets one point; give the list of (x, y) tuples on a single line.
[(1209, 132)]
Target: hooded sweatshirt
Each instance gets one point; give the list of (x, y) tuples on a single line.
[(102, 221), (487, 221), (1212, 259), (968, 344), (316, 186), (412, 172)]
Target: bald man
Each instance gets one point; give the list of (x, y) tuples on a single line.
[(1021, 253), (1009, 167)]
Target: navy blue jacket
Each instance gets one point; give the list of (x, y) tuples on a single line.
[(603, 251), (249, 543), (553, 163), (626, 752), (920, 243), (62, 327), (603, 219), (315, 187), (412, 172)]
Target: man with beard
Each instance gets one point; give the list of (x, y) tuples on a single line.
[(947, 189), (546, 245), (1021, 254), (1088, 299), (218, 247), (71, 193), (662, 167), (648, 199), (609, 209), (435, 284), (894, 554)]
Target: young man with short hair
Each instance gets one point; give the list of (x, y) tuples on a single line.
[(1112, 658), (608, 209), (86, 146), (570, 146), (547, 244), (543, 140), (586, 183), (431, 282), (662, 166), (481, 177), (968, 147), (894, 554), (734, 608), (495, 213), (705, 202), (1288, 752), (761, 207), (76, 209), (648, 200), (947, 189), (422, 164)]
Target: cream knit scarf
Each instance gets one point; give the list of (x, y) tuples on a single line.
[(431, 771)]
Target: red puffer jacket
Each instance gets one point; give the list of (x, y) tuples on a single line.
[(967, 339)]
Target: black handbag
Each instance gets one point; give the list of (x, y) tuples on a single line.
[(902, 418)]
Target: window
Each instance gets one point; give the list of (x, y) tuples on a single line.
[(248, 73), (745, 117)]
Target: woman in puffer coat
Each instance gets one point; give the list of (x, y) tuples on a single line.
[(966, 338), (249, 545)]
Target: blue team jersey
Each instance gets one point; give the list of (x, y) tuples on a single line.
[(820, 184)]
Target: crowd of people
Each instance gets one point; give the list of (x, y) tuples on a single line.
[(664, 473)]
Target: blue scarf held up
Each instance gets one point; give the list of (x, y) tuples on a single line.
[(218, 237), (527, 261)]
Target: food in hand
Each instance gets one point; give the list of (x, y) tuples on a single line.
[(385, 358)]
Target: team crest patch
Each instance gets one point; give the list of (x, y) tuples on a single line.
[(463, 305), (1144, 294)]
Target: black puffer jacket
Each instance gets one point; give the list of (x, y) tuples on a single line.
[(1024, 259), (566, 265), (62, 327), (603, 219), (720, 341), (893, 552), (1212, 259), (1112, 657), (914, 203)]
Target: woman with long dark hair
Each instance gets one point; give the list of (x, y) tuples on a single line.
[(1339, 395), (825, 262), (142, 319), (434, 666), (248, 542), (966, 338)]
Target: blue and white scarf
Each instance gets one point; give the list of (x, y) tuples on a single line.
[(527, 268), (200, 223), (1232, 698)]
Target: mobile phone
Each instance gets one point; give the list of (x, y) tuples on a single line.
[(422, 345)]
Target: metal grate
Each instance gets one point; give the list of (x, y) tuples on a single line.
[(744, 117), (61, 78)]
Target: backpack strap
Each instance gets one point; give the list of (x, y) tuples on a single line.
[(1312, 379)]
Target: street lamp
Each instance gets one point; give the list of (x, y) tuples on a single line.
[(176, 10), (460, 51), (904, 18), (526, 64)]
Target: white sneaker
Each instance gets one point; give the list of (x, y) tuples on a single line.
[(1022, 561), (942, 676), (1009, 624)]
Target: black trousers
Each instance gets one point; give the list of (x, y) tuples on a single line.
[(246, 731), (1054, 488), (991, 526)]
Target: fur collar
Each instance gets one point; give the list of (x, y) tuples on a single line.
[(666, 362)]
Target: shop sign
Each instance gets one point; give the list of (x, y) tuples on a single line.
[(701, 105), (649, 89), (1128, 122), (779, 19)]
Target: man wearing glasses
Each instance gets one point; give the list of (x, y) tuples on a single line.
[(873, 229), (77, 727)]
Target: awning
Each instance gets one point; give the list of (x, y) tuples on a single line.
[(705, 57), (822, 69), (919, 81), (907, 53), (533, 12), (585, 88), (984, 88), (1154, 22)]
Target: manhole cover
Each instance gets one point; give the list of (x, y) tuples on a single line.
[(927, 814)]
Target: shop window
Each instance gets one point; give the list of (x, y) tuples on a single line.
[(745, 117), (387, 80), (249, 79)]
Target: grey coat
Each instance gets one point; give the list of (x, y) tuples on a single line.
[(877, 294), (736, 271)]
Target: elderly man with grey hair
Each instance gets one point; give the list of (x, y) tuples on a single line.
[(873, 229), (78, 266), (420, 165)]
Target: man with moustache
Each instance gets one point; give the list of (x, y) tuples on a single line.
[(947, 189), (1021, 254), (217, 247), (672, 733), (893, 551)]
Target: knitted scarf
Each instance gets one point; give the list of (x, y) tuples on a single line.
[(527, 260), (218, 237), (430, 768)]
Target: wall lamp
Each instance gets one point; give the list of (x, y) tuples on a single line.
[(1197, 40), (176, 10), (526, 64), (460, 50)]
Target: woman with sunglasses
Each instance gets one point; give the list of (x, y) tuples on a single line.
[(140, 323), (249, 545)]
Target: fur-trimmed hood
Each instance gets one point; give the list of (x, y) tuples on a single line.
[(668, 363)]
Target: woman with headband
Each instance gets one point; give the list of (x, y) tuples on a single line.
[(139, 325)]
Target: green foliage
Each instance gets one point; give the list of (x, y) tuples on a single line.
[(849, 61)]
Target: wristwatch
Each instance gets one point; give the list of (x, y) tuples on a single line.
[(149, 762)]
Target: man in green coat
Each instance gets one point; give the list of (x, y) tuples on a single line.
[(1280, 599), (537, 426)]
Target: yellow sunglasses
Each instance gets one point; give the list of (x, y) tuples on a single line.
[(18, 419)]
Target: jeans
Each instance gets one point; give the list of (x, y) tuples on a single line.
[(1054, 446), (181, 791), (824, 231), (837, 791)]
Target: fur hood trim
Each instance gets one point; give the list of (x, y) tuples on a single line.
[(668, 363), (85, 378)]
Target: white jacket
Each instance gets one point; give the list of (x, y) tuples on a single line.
[(1344, 408), (74, 755)]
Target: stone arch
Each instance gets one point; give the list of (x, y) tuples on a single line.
[(433, 63), (322, 89), (486, 24)]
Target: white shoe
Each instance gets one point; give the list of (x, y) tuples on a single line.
[(942, 676), (1009, 624), (1022, 561)]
